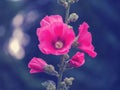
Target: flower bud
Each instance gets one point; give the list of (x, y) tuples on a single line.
[(72, 1), (51, 70), (50, 85), (77, 60), (73, 17), (37, 65), (63, 86), (68, 81), (63, 3)]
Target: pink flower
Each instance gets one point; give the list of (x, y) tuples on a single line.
[(37, 65), (85, 40), (77, 60), (54, 36)]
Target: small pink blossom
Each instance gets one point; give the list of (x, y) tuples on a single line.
[(37, 65), (85, 40), (77, 60), (55, 37)]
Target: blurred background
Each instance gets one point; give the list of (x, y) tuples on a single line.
[(18, 44)]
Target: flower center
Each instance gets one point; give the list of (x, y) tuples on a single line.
[(59, 44)]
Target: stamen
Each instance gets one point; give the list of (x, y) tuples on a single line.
[(59, 44)]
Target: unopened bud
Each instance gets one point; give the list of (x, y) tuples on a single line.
[(73, 17), (51, 70), (72, 1), (63, 84), (63, 3), (68, 81), (50, 85)]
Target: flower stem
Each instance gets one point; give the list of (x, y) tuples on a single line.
[(67, 13), (62, 64), (61, 70)]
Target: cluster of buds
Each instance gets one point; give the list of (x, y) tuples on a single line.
[(66, 2), (72, 1), (63, 3), (66, 83), (50, 85)]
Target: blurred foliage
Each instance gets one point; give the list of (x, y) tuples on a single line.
[(101, 73)]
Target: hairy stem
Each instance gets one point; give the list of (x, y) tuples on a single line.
[(61, 70), (63, 65), (67, 13)]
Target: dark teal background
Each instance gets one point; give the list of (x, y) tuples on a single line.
[(100, 73)]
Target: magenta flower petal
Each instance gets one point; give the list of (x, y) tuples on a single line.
[(77, 60), (55, 38), (37, 65), (50, 20), (44, 34), (46, 48), (85, 40)]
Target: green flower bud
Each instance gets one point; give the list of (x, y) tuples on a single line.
[(51, 70), (73, 17), (63, 3), (72, 1), (49, 85), (63, 84), (68, 81)]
